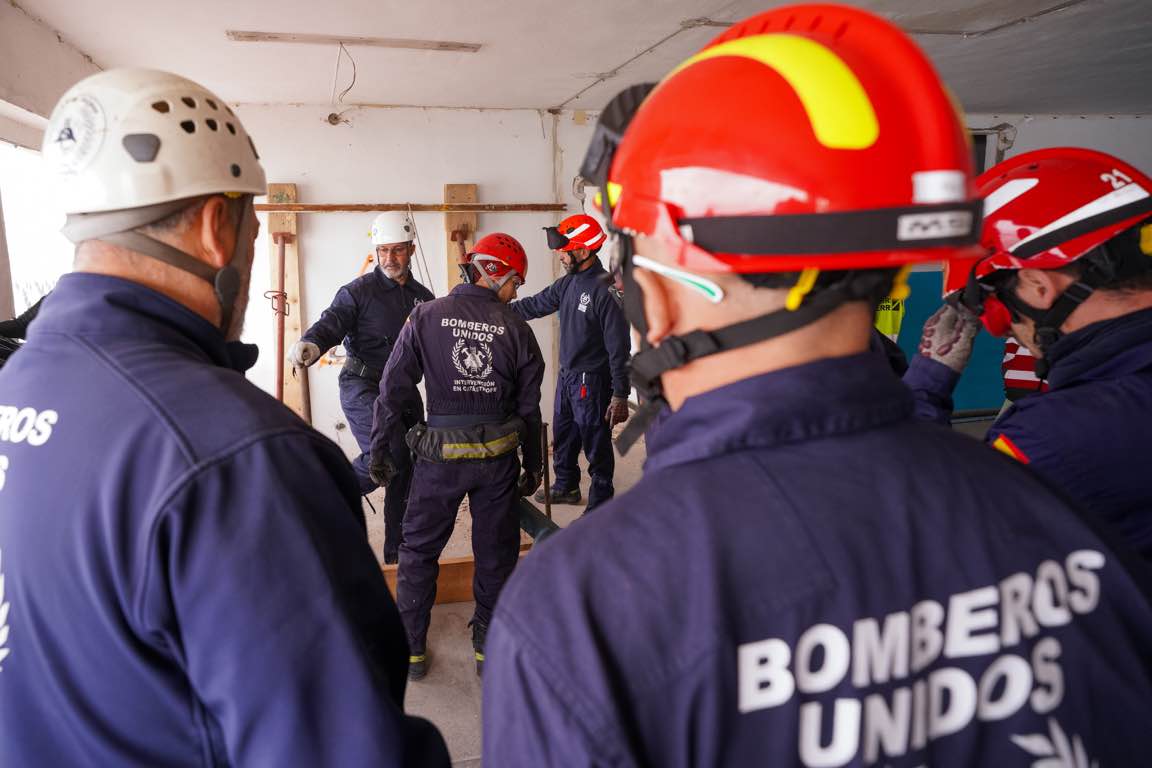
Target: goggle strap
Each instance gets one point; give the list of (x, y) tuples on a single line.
[(878, 229)]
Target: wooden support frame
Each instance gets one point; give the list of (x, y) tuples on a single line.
[(453, 583), (295, 387), (459, 221)]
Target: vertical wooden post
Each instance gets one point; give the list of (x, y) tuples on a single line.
[(459, 193), (295, 388)]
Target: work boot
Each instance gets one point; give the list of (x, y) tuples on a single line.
[(479, 634), (559, 496), (417, 666)]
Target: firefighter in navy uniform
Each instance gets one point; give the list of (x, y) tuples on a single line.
[(592, 387), (185, 575), (482, 369), (1070, 275), (806, 575), (367, 315)]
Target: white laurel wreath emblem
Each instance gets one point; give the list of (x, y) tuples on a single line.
[(472, 362), (1058, 751), (4, 649)]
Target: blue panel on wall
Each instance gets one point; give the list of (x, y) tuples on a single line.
[(982, 385)]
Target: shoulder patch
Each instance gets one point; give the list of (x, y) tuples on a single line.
[(1003, 444)]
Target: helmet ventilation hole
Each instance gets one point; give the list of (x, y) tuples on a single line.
[(162, 107), (188, 126), (211, 103), (235, 170), (254, 153), (189, 102), (212, 124), (231, 128)]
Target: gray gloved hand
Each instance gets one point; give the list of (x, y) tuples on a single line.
[(382, 470), (303, 354), (617, 412), (949, 335), (529, 482)]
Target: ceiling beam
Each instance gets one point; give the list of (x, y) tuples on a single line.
[(243, 36)]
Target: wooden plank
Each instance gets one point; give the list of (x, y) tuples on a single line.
[(454, 195), (295, 387), (459, 207), (453, 583)]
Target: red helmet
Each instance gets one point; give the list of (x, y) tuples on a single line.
[(1047, 209), (813, 136), (578, 231), (498, 256)]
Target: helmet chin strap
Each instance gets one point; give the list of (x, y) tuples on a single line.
[(122, 228), (648, 366)]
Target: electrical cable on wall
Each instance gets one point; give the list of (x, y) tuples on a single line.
[(334, 117)]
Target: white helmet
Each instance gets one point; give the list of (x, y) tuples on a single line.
[(392, 227), (130, 138)]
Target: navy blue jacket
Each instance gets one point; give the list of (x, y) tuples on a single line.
[(367, 315), (1089, 434), (477, 357), (806, 575), (594, 336), (186, 572)]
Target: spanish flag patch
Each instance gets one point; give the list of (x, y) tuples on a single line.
[(1004, 445)]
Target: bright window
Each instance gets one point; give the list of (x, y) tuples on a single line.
[(38, 253)]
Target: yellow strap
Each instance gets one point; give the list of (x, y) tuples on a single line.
[(479, 656), (900, 289), (490, 449), (802, 288), (417, 659)]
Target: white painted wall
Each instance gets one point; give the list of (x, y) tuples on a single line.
[(1129, 137), (403, 155)]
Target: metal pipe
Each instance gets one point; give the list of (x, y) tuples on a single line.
[(547, 480), (533, 522), (280, 308)]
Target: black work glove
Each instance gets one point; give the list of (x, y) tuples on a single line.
[(382, 469), (529, 482), (617, 412)]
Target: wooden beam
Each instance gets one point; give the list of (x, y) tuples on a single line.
[(295, 387), (456, 195), (453, 583), (273, 206)]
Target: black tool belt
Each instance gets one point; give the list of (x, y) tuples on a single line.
[(358, 367), (466, 443)]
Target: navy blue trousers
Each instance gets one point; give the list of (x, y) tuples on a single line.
[(437, 490), (357, 396), (578, 423)]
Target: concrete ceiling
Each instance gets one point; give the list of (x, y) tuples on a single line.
[(1090, 57)]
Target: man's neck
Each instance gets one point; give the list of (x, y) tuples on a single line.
[(1106, 305), (845, 331)]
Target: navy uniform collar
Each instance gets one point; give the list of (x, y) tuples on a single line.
[(595, 270), (1103, 350), (388, 283), (475, 292), (828, 397), (86, 304)]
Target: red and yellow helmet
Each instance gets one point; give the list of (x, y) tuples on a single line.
[(813, 136)]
